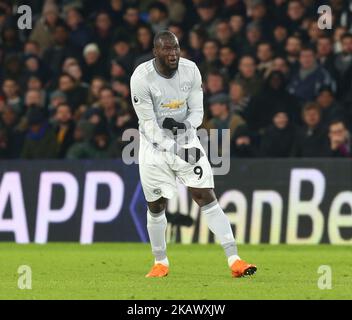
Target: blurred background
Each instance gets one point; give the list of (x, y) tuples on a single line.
[(271, 76)]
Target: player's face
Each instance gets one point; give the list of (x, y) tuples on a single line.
[(168, 53)]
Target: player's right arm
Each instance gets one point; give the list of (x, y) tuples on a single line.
[(143, 105)]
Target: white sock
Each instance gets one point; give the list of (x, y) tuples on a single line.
[(165, 262), (219, 224), (232, 259), (156, 225)]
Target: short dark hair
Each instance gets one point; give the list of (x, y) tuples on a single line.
[(65, 74), (165, 34), (266, 43), (159, 6), (325, 36), (337, 121), (215, 41), (308, 48), (311, 106), (34, 42), (64, 104), (227, 46), (106, 88), (346, 35)]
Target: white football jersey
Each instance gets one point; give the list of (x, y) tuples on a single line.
[(155, 97)]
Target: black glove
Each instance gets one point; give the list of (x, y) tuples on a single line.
[(173, 125), (190, 155)]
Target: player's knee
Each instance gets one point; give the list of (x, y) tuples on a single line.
[(202, 196), (157, 206)]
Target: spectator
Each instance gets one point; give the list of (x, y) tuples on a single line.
[(221, 118), (228, 61), (311, 139), (278, 138), (223, 33), (144, 41), (123, 55), (343, 65), (64, 128), (280, 35), (248, 77), (96, 85), (242, 144), (309, 78), (295, 14), (56, 97), (14, 136), (76, 95), (293, 48), (44, 28), (4, 145), (237, 24), (272, 97), (314, 32), (40, 141), (197, 37), (253, 37), (131, 23), (206, 10), (13, 66), (238, 99), (79, 34), (259, 15), (11, 95), (158, 16), (233, 7), (33, 66), (32, 47), (98, 147), (340, 140), (265, 57), (93, 63), (215, 83), (55, 54), (280, 64), (103, 32), (325, 54), (75, 71), (330, 109), (34, 98), (115, 11), (211, 57), (176, 10)]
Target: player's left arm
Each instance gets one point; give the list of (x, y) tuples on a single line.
[(195, 101)]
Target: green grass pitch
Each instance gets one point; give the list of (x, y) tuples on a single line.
[(116, 271)]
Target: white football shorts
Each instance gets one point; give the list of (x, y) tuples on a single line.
[(159, 171)]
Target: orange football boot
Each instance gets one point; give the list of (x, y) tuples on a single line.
[(158, 271), (241, 268)]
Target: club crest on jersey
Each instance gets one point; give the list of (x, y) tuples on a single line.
[(173, 104), (186, 87), (135, 99)]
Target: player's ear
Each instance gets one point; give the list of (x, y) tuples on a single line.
[(154, 52)]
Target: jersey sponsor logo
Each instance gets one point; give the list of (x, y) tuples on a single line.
[(174, 104)]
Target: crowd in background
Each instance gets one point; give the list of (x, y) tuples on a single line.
[(271, 74)]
